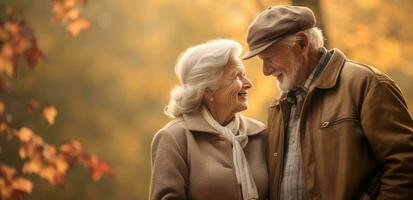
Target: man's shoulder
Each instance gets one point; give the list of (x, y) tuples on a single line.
[(357, 71)]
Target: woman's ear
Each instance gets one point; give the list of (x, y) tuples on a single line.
[(208, 94)]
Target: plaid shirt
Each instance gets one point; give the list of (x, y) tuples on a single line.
[(292, 185)]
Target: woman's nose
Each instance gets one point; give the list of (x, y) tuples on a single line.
[(247, 83)]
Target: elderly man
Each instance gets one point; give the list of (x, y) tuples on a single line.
[(341, 129)]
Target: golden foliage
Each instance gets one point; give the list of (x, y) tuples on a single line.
[(68, 12)]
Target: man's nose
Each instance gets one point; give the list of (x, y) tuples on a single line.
[(267, 70)]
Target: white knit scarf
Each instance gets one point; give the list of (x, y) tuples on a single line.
[(236, 133)]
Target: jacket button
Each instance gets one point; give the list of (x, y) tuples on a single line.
[(275, 154), (325, 124)]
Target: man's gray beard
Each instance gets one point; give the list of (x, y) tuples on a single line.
[(290, 79)]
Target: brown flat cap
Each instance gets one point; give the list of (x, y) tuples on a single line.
[(274, 23)]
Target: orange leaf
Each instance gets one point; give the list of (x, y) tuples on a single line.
[(61, 165), (72, 14), (78, 25), (7, 172), (4, 35), (7, 50), (98, 168), (12, 27), (22, 153), (48, 173), (31, 167), (6, 65), (72, 148), (49, 152), (24, 134), (23, 185), (2, 107), (58, 10), (50, 113)]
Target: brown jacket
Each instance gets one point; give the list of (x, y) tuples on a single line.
[(190, 160), (356, 136)]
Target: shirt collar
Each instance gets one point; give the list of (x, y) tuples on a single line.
[(303, 89)]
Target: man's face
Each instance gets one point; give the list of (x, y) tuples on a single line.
[(279, 61)]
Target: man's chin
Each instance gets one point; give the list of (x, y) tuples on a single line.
[(283, 86)]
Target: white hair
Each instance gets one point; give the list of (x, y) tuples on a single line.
[(314, 35), (198, 69)]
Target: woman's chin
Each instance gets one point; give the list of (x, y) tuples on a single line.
[(243, 106)]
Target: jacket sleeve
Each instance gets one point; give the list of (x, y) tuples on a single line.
[(388, 126), (169, 173)]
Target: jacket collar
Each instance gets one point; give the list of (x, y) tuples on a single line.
[(195, 122), (329, 76)]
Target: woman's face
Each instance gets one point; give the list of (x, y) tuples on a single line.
[(232, 91)]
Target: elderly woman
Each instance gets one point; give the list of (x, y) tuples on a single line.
[(209, 151)]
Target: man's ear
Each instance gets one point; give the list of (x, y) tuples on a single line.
[(303, 43)]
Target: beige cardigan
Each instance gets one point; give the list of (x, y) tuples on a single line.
[(190, 160)]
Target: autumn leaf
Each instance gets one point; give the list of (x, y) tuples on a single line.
[(33, 56), (2, 107), (61, 165), (7, 50), (72, 14), (6, 65), (22, 153), (32, 106), (11, 186), (24, 134), (7, 172), (72, 148), (77, 25), (98, 168), (12, 27), (31, 167), (50, 113), (23, 185)]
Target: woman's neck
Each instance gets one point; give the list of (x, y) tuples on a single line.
[(222, 116)]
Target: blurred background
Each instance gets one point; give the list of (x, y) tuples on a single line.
[(111, 83)]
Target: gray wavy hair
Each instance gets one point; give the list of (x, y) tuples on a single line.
[(198, 69), (315, 37)]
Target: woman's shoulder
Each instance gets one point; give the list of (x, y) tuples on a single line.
[(173, 129), (175, 125)]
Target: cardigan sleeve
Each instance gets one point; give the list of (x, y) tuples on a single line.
[(169, 169), (388, 126)]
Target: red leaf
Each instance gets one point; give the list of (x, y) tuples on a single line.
[(98, 168), (33, 56)]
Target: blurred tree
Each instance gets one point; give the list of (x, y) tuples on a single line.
[(318, 12), (48, 161)]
